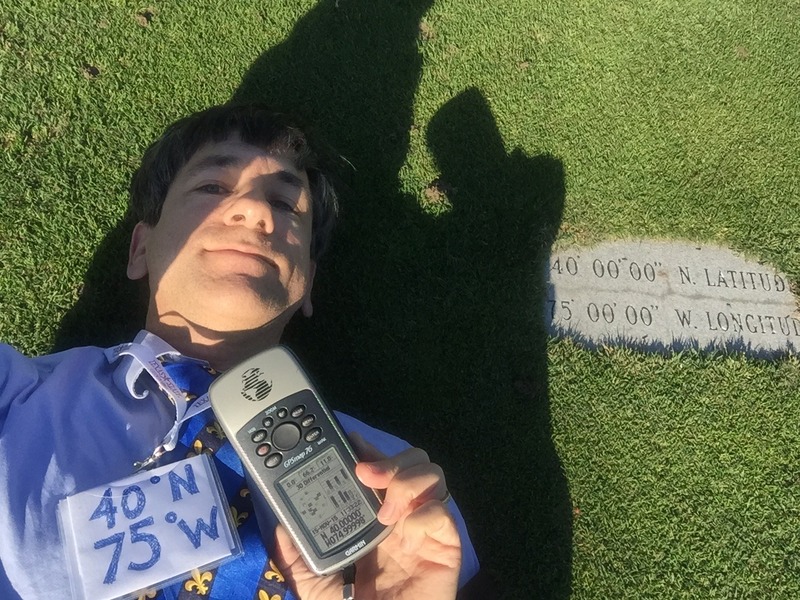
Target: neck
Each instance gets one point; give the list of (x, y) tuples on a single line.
[(221, 350)]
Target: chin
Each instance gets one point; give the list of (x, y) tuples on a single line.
[(240, 315)]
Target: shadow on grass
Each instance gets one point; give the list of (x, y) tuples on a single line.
[(430, 326), (111, 308), (427, 326)]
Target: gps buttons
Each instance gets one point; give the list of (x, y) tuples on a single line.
[(286, 436), (273, 460), (313, 434), (262, 450)]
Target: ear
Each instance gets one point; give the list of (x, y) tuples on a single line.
[(306, 307), (137, 259)]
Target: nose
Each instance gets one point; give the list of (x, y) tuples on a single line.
[(249, 210)]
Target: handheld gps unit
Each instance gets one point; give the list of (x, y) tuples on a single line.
[(298, 456)]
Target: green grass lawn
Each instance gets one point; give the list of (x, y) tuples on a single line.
[(479, 134)]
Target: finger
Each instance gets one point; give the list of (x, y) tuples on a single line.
[(379, 473), (411, 488), (286, 553), (430, 532), (364, 450), (302, 581)]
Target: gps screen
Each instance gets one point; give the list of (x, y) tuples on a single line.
[(326, 500)]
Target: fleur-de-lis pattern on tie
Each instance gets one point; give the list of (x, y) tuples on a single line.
[(199, 582), (255, 577)]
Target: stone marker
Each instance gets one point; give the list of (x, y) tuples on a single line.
[(668, 295)]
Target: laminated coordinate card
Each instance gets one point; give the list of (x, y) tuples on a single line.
[(146, 530)]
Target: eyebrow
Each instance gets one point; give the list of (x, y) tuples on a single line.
[(223, 161), (215, 160), (290, 179)]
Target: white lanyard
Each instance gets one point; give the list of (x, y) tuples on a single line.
[(146, 350)]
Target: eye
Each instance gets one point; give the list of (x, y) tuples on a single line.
[(212, 188), (282, 205)]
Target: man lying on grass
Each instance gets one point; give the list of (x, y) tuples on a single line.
[(233, 215)]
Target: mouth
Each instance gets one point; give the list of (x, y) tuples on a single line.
[(245, 252)]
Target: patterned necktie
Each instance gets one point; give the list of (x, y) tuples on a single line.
[(251, 575)]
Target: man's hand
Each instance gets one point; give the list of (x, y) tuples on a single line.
[(419, 560)]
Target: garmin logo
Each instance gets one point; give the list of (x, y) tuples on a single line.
[(355, 548), (255, 385)]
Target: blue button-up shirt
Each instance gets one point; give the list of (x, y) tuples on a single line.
[(72, 421)]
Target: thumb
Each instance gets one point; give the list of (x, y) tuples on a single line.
[(364, 450)]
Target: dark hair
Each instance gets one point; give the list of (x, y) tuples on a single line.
[(256, 125)]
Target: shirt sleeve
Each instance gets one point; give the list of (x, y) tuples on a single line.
[(18, 376), (391, 445)]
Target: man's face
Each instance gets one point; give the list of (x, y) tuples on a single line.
[(231, 251)]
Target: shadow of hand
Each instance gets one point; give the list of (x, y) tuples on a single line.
[(490, 371)]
